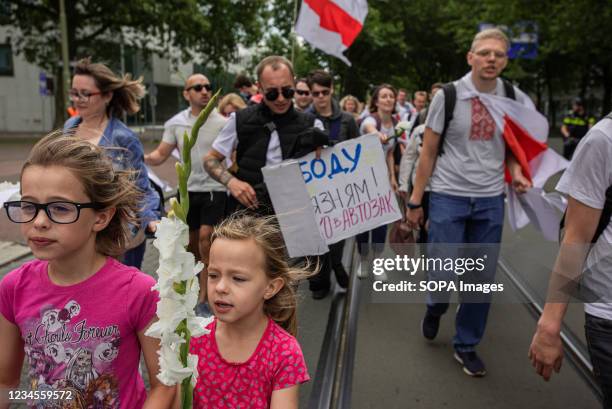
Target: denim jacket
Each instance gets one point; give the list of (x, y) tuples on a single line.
[(118, 135)]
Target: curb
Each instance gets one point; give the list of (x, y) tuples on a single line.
[(11, 251)]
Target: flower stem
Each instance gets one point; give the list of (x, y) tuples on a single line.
[(181, 210)]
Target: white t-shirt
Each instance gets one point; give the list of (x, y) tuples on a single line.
[(175, 127), (473, 168), (387, 131), (227, 141), (586, 180)]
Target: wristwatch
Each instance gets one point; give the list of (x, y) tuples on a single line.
[(413, 206)]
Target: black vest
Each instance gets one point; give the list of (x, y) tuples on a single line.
[(254, 126)]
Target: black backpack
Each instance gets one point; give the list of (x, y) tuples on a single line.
[(606, 212), (450, 98)]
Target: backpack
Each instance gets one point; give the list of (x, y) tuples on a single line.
[(450, 98), (606, 212)]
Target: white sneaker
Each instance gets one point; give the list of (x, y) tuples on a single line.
[(381, 277)]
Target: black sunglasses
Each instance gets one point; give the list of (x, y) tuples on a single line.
[(200, 87), (272, 94), (325, 93), (302, 92)]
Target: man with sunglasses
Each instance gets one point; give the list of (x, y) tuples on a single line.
[(207, 197), (303, 99), (263, 134), (341, 126)]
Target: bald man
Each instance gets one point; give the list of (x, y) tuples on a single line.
[(207, 197)]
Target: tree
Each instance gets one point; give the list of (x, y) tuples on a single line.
[(180, 29)]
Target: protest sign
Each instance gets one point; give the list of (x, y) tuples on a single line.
[(322, 201)]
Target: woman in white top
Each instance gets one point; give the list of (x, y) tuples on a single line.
[(382, 120)]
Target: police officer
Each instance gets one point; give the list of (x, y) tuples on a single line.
[(575, 125)]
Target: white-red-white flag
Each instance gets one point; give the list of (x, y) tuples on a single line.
[(525, 132), (331, 25)]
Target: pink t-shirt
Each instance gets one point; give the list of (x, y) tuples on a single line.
[(277, 363), (82, 337)]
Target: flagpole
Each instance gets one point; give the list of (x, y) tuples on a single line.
[(293, 34)]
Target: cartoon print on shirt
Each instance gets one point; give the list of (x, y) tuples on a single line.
[(66, 353), (50, 319), (71, 310), (80, 370)]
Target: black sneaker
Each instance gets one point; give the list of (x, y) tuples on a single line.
[(430, 326), (472, 364), (320, 294), (342, 277)]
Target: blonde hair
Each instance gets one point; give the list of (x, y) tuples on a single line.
[(266, 234), (491, 33), (126, 92), (231, 99), (347, 98), (102, 184)]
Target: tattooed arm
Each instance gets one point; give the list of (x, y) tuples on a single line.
[(242, 191), (213, 164)]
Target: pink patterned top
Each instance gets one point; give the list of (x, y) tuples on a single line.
[(277, 363)]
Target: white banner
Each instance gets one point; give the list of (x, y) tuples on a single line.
[(322, 201)]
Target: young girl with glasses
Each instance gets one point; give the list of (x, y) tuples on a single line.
[(75, 311), (250, 358)]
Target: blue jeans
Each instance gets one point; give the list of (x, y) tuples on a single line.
[(457, 220), (133, 257), (379, 237)]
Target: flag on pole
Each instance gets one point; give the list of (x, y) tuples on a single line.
[(331, 25)]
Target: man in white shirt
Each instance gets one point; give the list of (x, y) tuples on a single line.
[(466, 177), (586, 182), (207, 197)]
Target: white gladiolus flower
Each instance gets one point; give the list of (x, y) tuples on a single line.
[(9, 191), (197, 325), (402, 126), (177, 284), (170, 312), (171, 370), (192, 363), (172, 235)]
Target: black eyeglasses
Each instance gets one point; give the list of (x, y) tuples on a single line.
[(273, 94), (22, 211), (302, 92), (324, 93), (200, 87)]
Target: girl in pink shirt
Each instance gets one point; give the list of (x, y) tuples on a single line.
[(77, 313), (250, 358)]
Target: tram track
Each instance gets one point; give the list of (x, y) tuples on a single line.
[(575, 352)]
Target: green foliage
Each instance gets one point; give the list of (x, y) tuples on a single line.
[(177, 29)]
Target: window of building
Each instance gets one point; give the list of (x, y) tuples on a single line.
[(6, 60)]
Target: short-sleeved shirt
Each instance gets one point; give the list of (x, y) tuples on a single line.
[(277, 363), (586, 180), (175, 128), (370, 120), (82, 337), (469, 167), (227, 141)]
